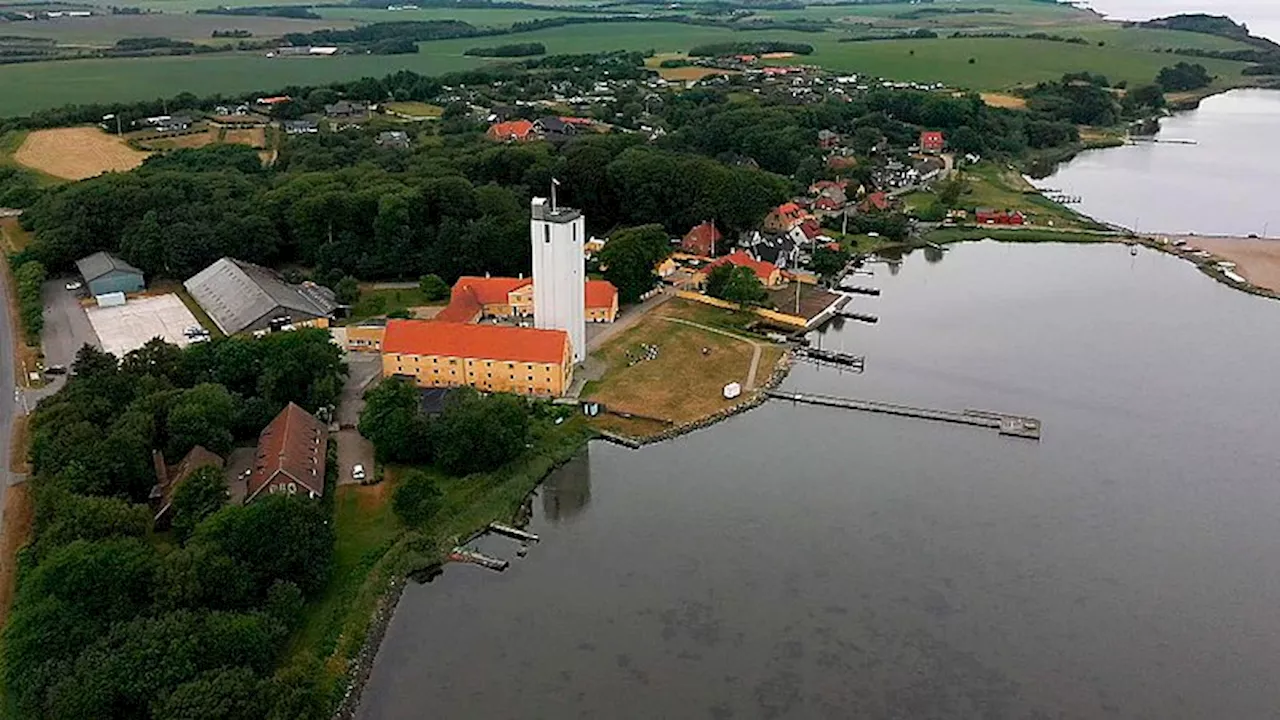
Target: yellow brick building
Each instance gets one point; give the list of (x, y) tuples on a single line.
[(489, 358)]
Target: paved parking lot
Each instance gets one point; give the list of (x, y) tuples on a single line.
[(130, 326), (66, 327)]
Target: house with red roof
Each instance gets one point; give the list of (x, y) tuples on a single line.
[(291, 456), (875, 202), (784, 217), (474, 298), (169, 477), (768, 273), (511, 131), (702, 239), (490, 358), (989, 216), (932, 141)]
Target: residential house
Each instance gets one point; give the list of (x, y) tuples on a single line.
[(989, 216), (926, 170), (491, 358), (875, 202), (299, 127), (702, 239), (602, 301), (782, 251), (175, 123), (768, 273), (828, 139), (243, 297), (347, 111), (105, 273), (932, 141), (784, 217), (291, 455), (169, 478), (511, 131), (594, 245), (396, 139)]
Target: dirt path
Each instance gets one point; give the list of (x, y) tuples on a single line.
[(756, 350)]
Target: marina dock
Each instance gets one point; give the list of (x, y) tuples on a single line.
[(513, 532), (461, 554), (833, 357), (1011, 425)]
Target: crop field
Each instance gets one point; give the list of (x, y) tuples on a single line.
[(497, 17), (76, 153), (105, 30), (253, 137)]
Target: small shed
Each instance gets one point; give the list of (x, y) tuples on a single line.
[(105, 273)]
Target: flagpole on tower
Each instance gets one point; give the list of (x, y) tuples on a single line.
[(554, 184)]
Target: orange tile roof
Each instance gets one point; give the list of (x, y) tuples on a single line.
[(761, 268), (601, 294), (513, 129), (489, 290), (489, 342), (788, 208), (463, 306)]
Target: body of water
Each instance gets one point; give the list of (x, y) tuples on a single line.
[(1222, 185), (1261, 16), (801, 562)]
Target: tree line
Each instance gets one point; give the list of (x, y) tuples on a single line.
[(110, 622)]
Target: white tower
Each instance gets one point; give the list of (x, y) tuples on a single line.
[(559, 272)]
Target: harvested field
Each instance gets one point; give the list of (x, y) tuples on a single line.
[(1257, 259), (253, 137), (177, 142), (1001, 100), (77, 153)]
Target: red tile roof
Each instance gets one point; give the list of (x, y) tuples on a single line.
[(511, 130), (702, 239), (739, 258), (489, 290), (931, 140), (292, 444), (489, 342), (601, 294), (877, 200), (170, 478), (463, 307)]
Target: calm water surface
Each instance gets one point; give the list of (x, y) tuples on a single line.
[(1224, 185), (801, 562), (1262, 16)]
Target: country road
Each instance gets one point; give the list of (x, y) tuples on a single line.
[(8, 397)]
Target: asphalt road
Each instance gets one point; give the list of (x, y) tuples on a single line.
[(8, 397)]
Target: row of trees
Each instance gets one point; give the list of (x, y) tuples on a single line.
[(107, 623), (30, 276)]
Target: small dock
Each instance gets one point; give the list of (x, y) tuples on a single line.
[(834, 357), (854, 315), (1011, 425), (513, 532), (461, 554), (859, 290)]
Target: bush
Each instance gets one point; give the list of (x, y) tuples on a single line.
[(30, 277), (434, 288), (416, 498)]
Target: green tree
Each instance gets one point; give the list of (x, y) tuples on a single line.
[(478, 433), (417, 498), (950, 190), (203, 415), (631, 257), (226, 694), (735, 284), (301, 540), (391, 420), (434, 288), (202, 494), (347, 290), (828, 262)]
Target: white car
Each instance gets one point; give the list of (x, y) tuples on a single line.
[(74, 285), (357, 473)]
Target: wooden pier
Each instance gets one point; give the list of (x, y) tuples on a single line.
[(1011, 425), (513, 532), (859, 290), (853, 315), (833, 357), (467, 555)]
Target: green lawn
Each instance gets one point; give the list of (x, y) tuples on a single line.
[(416, 109), (374, 303)]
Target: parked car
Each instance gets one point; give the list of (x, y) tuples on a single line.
[(357, 473), (195, 331), (56, 370), (74, 285)]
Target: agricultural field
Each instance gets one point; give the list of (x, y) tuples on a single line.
[(480, 17), (415, 110), (105, 30), (76, 153)]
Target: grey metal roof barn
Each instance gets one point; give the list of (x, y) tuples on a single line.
[(105, 273), (243, 297)]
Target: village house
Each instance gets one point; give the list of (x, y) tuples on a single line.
[(300, 127), (491, 358), (702, 239), (346, 110), (784, 217), (989, 216), (768, 273), (169, 478), (932, 141), (395, 139), (875, 202), (290, 459), (511, 131), (828, 139), (475, 298)]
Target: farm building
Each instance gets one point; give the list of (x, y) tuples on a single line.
[(243, 297), (105, 273), (290, 457), (989, 216)]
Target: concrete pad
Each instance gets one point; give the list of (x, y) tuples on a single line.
[(129, 326)]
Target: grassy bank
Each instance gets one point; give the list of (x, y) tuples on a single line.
[(374, 549), (943, 236)]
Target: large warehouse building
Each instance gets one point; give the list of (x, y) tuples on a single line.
[(243, 297), (105, 273)]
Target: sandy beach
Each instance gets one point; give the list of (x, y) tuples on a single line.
[(1256, 259)]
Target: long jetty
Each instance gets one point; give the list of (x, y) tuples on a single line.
[(1012, 425), (467, 555), (513, 532)]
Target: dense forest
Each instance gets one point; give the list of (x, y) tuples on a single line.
[(111, 621)]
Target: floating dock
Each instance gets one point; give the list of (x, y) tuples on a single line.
[(834, 357), (852, 315), (513, 532), (461, 554), (1011, 425), (859, 290)]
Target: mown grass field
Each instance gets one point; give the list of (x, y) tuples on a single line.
[(105, 30)]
